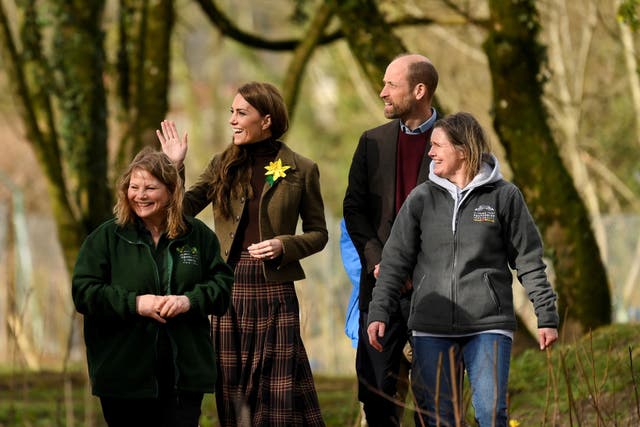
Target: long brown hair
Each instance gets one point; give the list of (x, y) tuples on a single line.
[(232, 173), (164, 170)]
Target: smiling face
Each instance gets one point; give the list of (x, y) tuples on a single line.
[(448, 162), (398, 97), (247, 123), (148, 197)]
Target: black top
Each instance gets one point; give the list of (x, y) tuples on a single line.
[(248, 232)]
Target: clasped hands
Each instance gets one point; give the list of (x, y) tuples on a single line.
[(162, 307), (266, 250)]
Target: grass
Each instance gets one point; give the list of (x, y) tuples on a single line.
[(38, 399), (593, 382), (338, 402)]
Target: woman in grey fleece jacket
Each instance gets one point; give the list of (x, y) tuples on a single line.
[(456, 238)]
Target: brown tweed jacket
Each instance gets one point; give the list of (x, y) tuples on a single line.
[(295, 196)]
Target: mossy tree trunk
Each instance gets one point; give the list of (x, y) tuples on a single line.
[(372, 41), (77, 61), (370, 38), (63, 114), (303, 52), (143, 73), (515, 60), (58, 87)]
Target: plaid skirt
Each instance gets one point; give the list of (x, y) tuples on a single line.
[(264, 377)]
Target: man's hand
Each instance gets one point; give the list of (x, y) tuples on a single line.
[(376, 271), (407, 287)]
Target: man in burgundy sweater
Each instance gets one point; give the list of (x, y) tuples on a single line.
[(388, 163)]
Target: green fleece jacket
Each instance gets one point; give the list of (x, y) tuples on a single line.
[(115, 264)]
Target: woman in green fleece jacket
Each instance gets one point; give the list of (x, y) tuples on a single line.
[(146, 282)]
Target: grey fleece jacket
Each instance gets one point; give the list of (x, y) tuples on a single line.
[(458, 247)]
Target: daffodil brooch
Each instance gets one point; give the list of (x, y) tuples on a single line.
[(275, 170)]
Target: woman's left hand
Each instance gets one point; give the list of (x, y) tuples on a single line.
[(267, 249), (172, 305), (546, 337)]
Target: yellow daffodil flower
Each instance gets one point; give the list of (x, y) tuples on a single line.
[(275, 170)]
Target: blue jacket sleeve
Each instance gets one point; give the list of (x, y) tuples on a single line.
[(351, 263)]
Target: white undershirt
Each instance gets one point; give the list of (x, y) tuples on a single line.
[(490, 331)]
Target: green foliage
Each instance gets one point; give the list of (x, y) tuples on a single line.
[(628, 13), (37, 399), (590, 379), (300, 14)]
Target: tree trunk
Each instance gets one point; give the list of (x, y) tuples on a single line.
[(370, 38), (372, 41), (515, 59), (78, 61), (302, 53), (143, 73)]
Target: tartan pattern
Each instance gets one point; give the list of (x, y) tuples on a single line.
[(264, 376)]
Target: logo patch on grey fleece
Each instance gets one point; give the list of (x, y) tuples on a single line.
[(484, 213)]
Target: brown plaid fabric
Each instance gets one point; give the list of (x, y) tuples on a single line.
[(264, 377)]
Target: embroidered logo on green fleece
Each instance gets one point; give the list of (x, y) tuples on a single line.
[(188, 255)]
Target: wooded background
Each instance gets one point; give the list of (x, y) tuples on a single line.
[(86, 83)]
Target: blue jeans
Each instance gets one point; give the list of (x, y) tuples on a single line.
[(437, 378)]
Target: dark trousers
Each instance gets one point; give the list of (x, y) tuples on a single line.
[(378, 372), (181, 410), (172, 408)]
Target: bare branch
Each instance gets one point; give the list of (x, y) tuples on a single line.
[(15, 68), (467, 17), (27, 99), (611, 179), (303, 52), (229, 29)]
